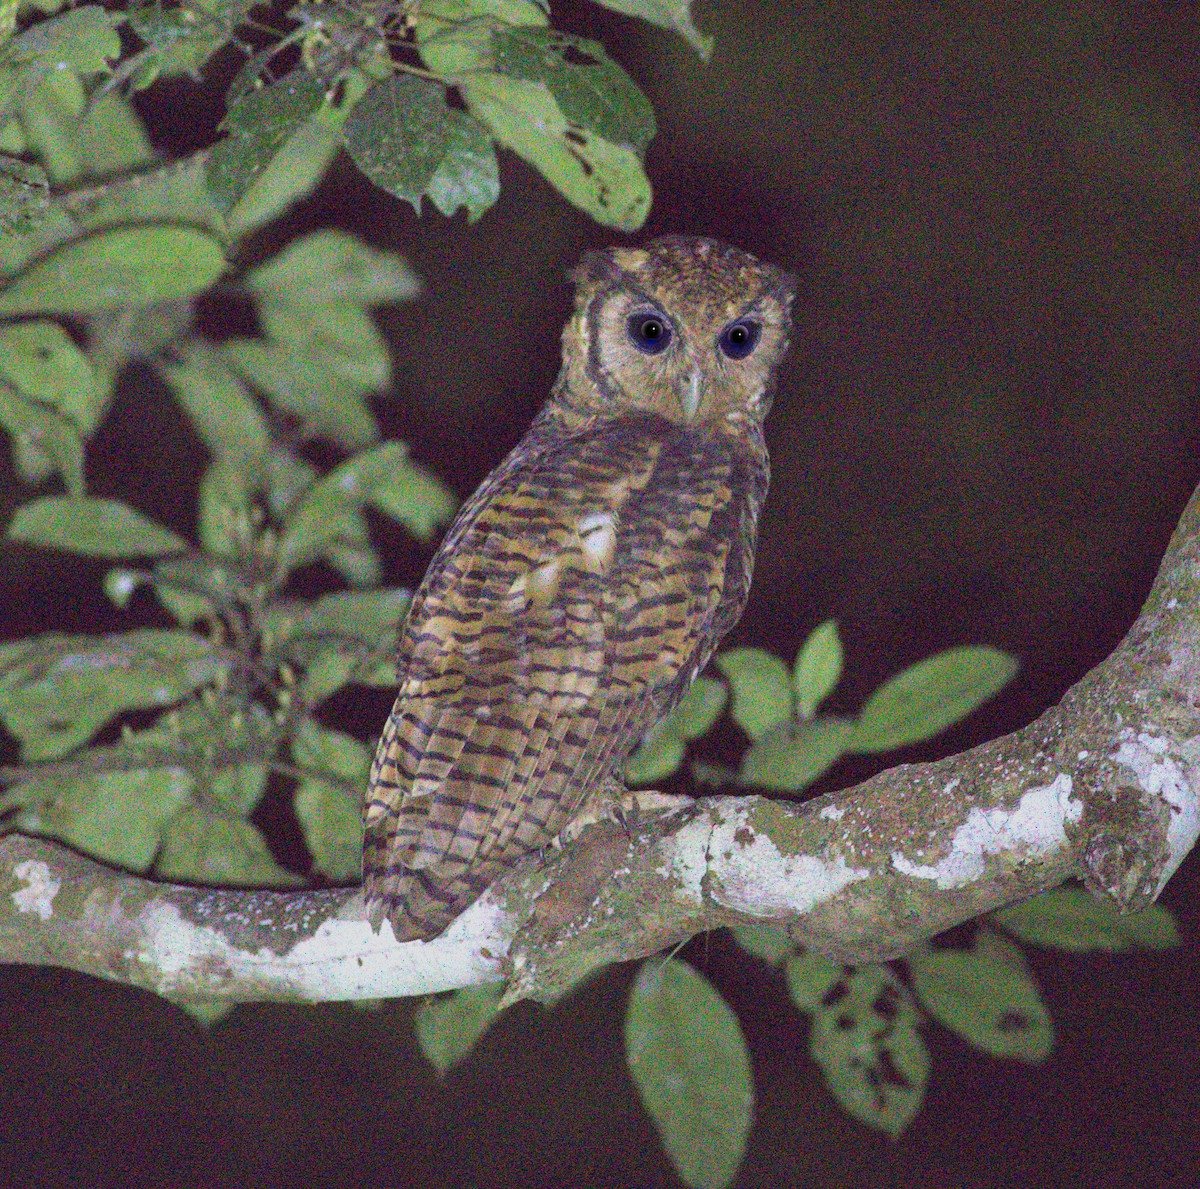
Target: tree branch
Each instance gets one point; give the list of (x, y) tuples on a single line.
[(1105, 785)]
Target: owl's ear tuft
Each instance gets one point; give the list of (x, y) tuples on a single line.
[(607, 266), (783, 286)]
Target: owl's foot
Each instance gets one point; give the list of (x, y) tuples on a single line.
[(614, 803)]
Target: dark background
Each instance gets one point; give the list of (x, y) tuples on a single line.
[(985, 434)]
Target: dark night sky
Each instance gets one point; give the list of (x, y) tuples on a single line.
[(985, 434)]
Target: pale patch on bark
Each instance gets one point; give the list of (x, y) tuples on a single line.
[(42, 887), (751, 874), (687, 859), (344, 958), (1159, 774), (1036, 827)]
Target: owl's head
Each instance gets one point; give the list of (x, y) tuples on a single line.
[(689, 328)]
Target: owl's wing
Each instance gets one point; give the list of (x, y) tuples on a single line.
[(572, 604)]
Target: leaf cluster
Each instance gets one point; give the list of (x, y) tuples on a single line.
[(688, 1058), (227, 698), (419, 96), (791, 744)]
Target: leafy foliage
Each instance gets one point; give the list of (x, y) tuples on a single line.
[(231, 692), (865, 1038), (986, 995), (389, 82), (865, 1022), (791, 745)]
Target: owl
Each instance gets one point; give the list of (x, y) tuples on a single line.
[(588, 580)]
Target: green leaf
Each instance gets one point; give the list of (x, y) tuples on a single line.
[(49, 109), (332, 825), (930, 695), (449, 1026), (116, 817), (762, 689), (456, 49), (226, 417), (328, 267), (698, 709), (770, 943), (339, 338), (790, 756), (205, 848), (206, 1012), (259, 124), (404, 137), (864, 1037), (659, 756), (590, 89), (987, 995), (291, 174), (128, 266), (662, 749), (44, 364), (688, 1059), (324, 517), (288, 477), (91, 526), (1073, 919), (372, 616), (436, 15), (120, 584), (303, 384), (412, 496), (173, 193), (225, 511), (322, 749), (112, 138), (342, 637), (178, 40), (57, 691), (85, 37), (43, 442), (817, 669), (281, 141), (329, 515), (237, 788), (603, 179), (675, 15), (207, 578), (810, 977), (330, 814), (325, 673), (358, 564)]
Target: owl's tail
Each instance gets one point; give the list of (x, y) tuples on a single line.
[(419, 902)]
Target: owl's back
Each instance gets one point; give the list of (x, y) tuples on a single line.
[(572, 603)]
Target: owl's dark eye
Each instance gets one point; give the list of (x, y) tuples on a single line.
[(649, 333), (740, 339)]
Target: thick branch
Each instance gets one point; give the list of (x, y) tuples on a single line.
[(1105, 785)]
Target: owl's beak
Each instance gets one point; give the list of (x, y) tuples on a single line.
[(691, 393)]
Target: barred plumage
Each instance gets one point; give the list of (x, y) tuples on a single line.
[(586, 582)]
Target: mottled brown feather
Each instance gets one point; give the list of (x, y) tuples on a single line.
[(574, 600)]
